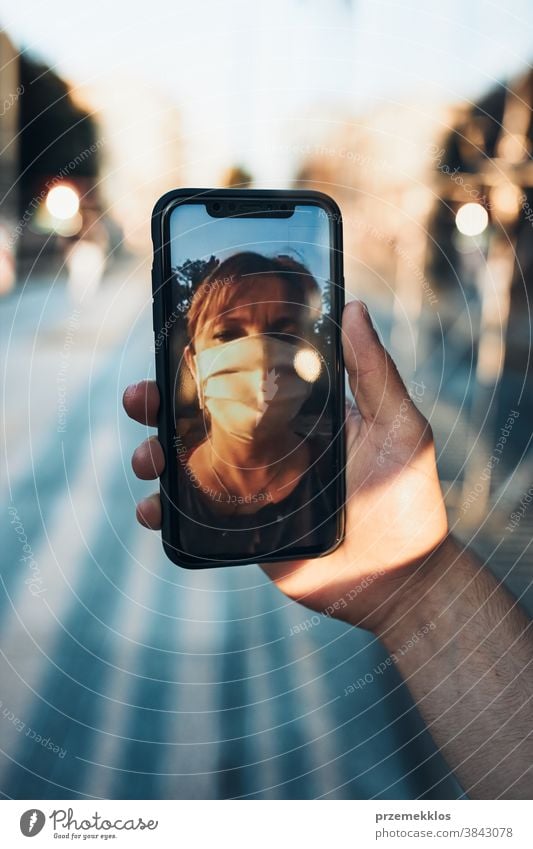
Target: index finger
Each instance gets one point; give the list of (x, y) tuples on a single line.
[(141, 402)]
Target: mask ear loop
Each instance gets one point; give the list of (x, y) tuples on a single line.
[(198, 382)]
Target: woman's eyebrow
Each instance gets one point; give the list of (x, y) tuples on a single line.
[(280, 323), (223, 321)]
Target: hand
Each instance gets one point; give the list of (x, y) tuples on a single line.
[(395, 515)]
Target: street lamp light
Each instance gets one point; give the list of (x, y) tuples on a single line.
[(471, 219), (62, 202)]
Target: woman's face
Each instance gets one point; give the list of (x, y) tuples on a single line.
[(273, 315), (244, 362)]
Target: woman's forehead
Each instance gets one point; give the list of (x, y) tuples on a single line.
[(260, 287), (262, 297), (261, 312)]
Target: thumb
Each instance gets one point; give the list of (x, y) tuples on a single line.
[(373, 376)]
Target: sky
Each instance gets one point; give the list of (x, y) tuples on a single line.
[(303, 236), (240, 72)]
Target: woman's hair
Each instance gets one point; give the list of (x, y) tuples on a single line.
[(236, 277)]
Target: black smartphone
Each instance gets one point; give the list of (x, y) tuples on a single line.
[(248, 295)]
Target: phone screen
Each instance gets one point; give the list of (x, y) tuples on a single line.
[(254, 379)]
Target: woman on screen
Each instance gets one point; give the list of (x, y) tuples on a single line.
[(253, 357)]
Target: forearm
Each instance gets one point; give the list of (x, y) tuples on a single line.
[(465, 649)]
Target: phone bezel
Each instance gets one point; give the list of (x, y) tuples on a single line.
[(162, 309)]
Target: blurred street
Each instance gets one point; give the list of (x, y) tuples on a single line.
[(153, 682)]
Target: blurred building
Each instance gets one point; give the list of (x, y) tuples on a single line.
[(142, 152), (484, 165), (10, 91), (486, 159), (59, 147), (377, 167), (49, 168)]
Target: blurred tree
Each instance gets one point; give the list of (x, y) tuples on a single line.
[(187, 276), (53, 131)]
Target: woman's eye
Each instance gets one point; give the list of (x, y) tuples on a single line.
[(226, 335)]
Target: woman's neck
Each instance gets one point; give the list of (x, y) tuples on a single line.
[(256, 455), (274, 467)]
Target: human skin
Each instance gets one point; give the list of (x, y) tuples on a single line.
[(399, 570)]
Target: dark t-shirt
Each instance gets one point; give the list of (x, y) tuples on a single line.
[(299, 520)]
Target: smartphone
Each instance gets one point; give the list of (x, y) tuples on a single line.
[(247, 301)]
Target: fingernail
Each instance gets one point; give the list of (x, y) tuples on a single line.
[(366, 313), (131, 389)]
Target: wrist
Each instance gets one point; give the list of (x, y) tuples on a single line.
[(418, 598)]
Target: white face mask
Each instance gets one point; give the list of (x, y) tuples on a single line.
[(250, 386)]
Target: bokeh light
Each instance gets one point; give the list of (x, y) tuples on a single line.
[(307, 364), (471, 219), (62, 202)]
